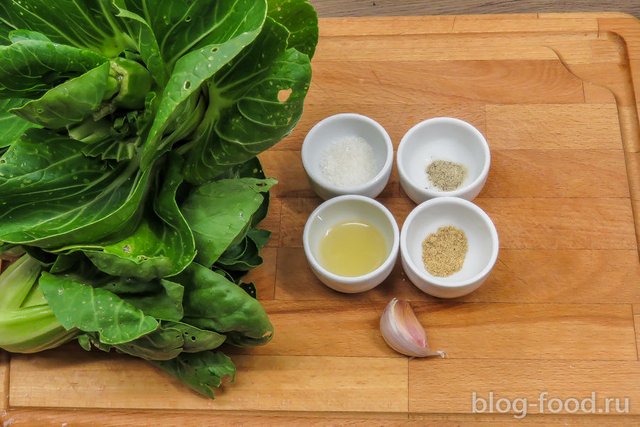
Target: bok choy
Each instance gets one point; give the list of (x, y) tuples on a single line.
[(129, 184)]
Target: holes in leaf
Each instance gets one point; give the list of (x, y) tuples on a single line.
[(193, 338), (284, 94), (187, 85), (214, 49), (187, 19)]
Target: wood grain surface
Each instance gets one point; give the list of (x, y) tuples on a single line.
[(557, 98), (462, 7)]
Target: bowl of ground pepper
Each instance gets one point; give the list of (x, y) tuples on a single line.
[(448, 247), (443, 156)]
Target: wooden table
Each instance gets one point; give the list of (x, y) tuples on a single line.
[(331, 8), (555, 96)]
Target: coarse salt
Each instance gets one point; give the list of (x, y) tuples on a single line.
[(348, 162)]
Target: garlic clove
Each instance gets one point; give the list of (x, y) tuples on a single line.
[(403, 332)]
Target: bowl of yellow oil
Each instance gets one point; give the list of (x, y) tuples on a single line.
[(351, 243)]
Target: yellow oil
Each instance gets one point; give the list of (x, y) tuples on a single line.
[(352, 248)]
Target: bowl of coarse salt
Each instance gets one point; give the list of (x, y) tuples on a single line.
[(347, 154), (443, 156)]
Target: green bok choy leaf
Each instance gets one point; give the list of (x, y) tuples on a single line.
[(129, 132)]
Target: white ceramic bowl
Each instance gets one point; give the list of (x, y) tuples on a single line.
[(482, 239), (339, 126), (442, 138), (348, 208)]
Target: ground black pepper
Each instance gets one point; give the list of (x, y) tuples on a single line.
[(445, 175)]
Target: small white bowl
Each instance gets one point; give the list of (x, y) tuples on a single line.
[(482, 239), (348, 208), (442, 138), (339, 126)]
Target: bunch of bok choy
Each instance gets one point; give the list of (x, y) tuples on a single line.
[(130, 191)]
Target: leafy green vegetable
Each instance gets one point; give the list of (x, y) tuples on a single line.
[(189, 74), (90, 309), (165, 343), (245, 255), (172, 339), (129, 182), (60, 197), (201, 371), (300, 20), (84, 24), (161, 299), (12, 126), (219, 211), (27, 322), (28, 68), (212, 302), (162, 245), (248, 116), (70, 102)]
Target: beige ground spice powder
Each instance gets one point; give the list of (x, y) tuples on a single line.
[(444, 251), (445, 175)]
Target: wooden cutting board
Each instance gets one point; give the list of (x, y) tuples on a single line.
[(557, 98)]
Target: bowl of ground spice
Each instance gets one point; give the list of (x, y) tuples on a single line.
[(448, 247), (347, 154), (443, 156)]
